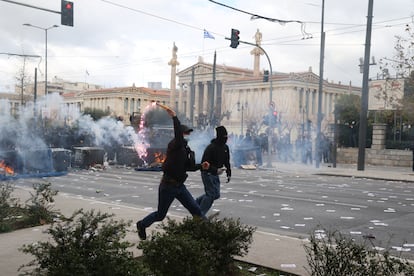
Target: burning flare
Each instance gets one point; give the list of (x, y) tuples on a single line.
[(7, 169), (159, 157)]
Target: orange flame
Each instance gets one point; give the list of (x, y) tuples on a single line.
[(6, 169), (159, 157)]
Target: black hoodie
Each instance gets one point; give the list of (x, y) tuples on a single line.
[(177, 161), (217, 154)]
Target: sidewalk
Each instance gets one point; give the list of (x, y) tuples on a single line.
[(405, 174), (271, 250)]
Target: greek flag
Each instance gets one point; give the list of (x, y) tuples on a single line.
[(208, 35)]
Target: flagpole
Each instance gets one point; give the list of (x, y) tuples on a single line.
[(206, 35), (86, 76), (203, 46), (204, 38)]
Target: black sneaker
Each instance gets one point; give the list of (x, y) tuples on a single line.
[(141, 231)]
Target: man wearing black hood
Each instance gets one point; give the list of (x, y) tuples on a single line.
[(217, 154), (180, 159)]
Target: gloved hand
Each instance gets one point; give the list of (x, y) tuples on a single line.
[(228, 173)]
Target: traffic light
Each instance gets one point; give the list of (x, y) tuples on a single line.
[(66, 13), (234, 38), (266, 76)]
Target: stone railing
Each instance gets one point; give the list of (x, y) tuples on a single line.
[(381, 157)]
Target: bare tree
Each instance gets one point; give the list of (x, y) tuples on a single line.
[(401, 64), (22, 79)]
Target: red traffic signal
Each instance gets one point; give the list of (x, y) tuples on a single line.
[(234, 38), (66, 13)]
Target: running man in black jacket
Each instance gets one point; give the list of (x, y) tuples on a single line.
[(217, 154), (180, 159)]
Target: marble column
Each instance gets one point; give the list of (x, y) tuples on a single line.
[(180, 98), (205, 98), (257, 52), (188, 97), (197, 100), (173, 62)]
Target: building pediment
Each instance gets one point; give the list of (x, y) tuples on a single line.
[(204, 71)]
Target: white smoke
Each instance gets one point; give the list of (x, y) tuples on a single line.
[(27, 128)]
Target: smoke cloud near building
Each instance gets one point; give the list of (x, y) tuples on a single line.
[(50, 136), (31, 134)]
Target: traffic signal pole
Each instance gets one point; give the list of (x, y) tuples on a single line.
[(66, 11), (270, 135), (30, 6)]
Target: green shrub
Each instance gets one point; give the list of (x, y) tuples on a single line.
[(196, 247), (37, 210), (9, 208), (336, 254), (87, 243), (40, 204)]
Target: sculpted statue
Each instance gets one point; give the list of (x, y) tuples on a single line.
[(258, 37), (174, 51)]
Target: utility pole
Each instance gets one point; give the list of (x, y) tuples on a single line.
[(191, 98), (35, 96), (213, 111), (365, 90), (321, 63)]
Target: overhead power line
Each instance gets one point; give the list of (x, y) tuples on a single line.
[(21, 55), (305, 34), (153, 15)]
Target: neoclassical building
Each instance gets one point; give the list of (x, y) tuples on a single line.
[(121, 102), (237, 97), (10, 103)]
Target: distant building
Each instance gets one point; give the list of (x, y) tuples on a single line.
[(10, 103), (236, 98), (60, 86), (121, 102), (155, 85)]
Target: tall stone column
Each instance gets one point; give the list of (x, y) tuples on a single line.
[(173, 62), (257, 52), (180, 98), (205, 98), (197, 100), (188, 98)]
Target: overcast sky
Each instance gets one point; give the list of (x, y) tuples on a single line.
[(121, 42)]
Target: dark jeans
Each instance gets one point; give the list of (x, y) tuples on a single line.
[(166, 195)]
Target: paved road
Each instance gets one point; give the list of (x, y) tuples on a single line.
[(292, 204)]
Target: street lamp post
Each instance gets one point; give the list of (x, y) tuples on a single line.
[(241, 107), (44, 29), (270, 139)]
